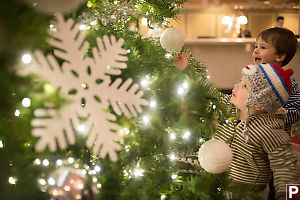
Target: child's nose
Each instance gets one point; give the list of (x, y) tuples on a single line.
[(235, 87)]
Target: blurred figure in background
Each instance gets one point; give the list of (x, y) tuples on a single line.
[(279, 21)]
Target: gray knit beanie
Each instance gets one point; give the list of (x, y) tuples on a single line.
[(270, 86)]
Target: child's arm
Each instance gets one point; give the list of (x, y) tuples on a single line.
[(224, 132), (224, 129), (292, 107)]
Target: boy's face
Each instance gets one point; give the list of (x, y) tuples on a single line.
[(265, 53), (240, 94)]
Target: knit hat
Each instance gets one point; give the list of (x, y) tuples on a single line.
[(270, 86)]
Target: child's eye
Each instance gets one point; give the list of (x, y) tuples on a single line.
[(263, 47), (256, 46)]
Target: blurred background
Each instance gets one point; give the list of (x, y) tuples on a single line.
[(222, 33)]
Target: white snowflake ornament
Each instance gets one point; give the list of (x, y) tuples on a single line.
[(81, 73)]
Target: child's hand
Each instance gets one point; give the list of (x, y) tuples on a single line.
[(181, 61)]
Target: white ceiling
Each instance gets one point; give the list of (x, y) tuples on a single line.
[(243, 4)]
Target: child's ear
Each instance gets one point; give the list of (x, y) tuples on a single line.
[(281, 57)]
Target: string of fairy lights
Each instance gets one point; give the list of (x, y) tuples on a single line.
[(145, 83), (46, 182)]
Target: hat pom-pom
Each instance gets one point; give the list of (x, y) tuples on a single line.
[(249, 70), (289, 72)]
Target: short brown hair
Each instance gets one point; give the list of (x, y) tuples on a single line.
[(284, 41)]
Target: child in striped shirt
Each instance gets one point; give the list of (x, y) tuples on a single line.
[(259, 143), (278, 46)]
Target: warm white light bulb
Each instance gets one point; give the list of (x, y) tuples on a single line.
[(26, 102), (67, 188), (92, 172), (81, 128), (144, 83), (180, 91), (162, 196), (126, 173), (168, 55), (42, 181), (80, 186), (185, 85), (97, 168), (125, 131), (17, 113), (45, 162), (51, 181), (26, 58), (70, 160), (83, 172), (12, 180), (82, 27), (146, 120), (242, 20), (55, 192), (59, 162), (152, 104), (201, 140), (93, 22), (186, 135), (1, 144), (172, 156), (94, 179), (37, 161), (172, 136), (138, 172), (226, 20)]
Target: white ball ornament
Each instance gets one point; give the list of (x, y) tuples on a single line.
[(172, 40), (53, 6), (215, 156)]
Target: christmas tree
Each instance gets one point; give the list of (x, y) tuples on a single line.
[(99, 111)]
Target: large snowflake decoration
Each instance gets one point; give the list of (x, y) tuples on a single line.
[(83, 73)]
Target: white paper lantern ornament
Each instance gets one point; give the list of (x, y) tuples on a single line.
[(172, 40), (215, 156)]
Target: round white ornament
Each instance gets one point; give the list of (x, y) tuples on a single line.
[(172, 40), (53, 6), (215, 156)]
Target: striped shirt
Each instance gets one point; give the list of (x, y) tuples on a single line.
[(293, 107), (268, 149)]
